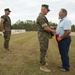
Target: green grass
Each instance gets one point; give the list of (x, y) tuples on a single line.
[(24, 58)]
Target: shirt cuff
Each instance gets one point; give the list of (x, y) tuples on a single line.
[(2, 19), (44, 25), (67, 29)]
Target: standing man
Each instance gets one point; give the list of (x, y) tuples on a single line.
[(6, 28), (44, 33), (64, 39)]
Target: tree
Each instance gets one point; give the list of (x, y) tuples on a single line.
[(30, 25)]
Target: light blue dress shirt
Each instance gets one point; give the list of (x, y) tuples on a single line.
[(64, 24)]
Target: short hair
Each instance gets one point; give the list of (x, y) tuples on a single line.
[(64, 11)]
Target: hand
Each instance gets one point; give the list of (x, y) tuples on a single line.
[(3, 30), (59, 38), (53, 31), (51, 27)]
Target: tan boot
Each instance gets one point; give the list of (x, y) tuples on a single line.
[(43, 68), (7, 49), (46, 64)]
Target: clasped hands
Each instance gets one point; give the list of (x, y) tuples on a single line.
[(54, 32)]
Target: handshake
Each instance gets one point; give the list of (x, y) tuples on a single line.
[(53, 31)]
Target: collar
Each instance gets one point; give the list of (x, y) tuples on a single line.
[(42, 14), (62, 19)]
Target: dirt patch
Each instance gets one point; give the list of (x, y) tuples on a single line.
[(73, 34)]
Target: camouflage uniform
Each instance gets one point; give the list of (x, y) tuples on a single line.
[(7, 27), (43, 36)]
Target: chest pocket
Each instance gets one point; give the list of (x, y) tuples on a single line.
[(61, 29), (7, 19), (61, 26)]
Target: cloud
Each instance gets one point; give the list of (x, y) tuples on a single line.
[(29, 9)]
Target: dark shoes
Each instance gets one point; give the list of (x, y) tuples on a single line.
[(62, 69)]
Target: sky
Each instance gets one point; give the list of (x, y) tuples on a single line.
[(29, 9)]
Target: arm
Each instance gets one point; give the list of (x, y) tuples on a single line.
[(66, 34), (1, 25), (45, 26), (48, 29)]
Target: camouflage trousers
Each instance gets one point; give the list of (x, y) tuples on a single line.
[(43, 41), (7, 35)]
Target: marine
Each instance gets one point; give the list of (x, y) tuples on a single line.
[(6, 28), (44, 34)]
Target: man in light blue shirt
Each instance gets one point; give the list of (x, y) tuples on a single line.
[(64, 24), (64, 39)]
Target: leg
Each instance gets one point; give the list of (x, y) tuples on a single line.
[(43, 41), (7, 39), (43, 49), (64, 49)]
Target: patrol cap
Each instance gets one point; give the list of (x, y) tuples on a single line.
[(46, 6), (7, 9)]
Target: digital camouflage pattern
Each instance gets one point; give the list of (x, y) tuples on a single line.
[(43, 36)]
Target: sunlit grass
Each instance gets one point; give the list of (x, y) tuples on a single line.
[(24, 58)]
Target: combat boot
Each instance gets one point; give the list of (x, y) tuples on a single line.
[(45, 69)]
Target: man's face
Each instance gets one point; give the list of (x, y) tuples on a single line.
[(61, 14), (7, 12), (45, 11)]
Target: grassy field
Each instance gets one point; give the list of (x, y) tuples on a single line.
[(24, 56)]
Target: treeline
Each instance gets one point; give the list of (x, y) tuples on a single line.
[(27, 25), (73, 28), (30, 25)]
